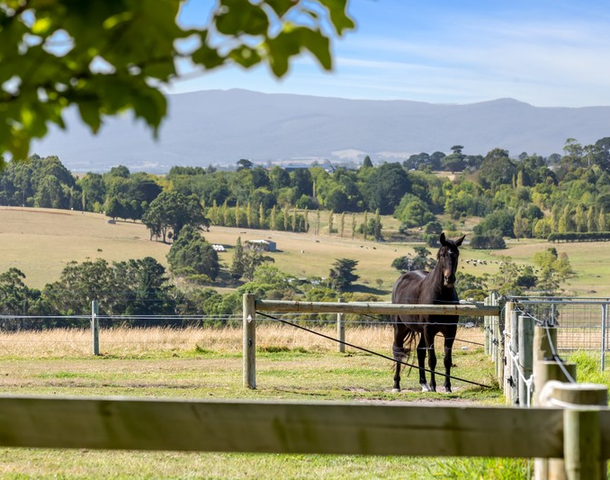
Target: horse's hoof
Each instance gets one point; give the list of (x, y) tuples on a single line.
[(448, 389), (425, 387), (396, 390)]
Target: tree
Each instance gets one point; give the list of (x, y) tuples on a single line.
[(146, 288), (80, 284), (238, 265), (341, 275), (497, 169), (554, 267), (172, 211), (244, 164), (15, 296), (109, 57), (366, 163), (386, 186), (191, 255), (252, 260)]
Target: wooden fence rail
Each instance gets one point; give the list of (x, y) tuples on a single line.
[(286, 427), (372, 308)]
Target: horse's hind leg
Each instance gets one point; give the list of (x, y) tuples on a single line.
[(398, 350), (432, 365)]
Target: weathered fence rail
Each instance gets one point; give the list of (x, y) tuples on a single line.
[(287, 427), (372, 308)]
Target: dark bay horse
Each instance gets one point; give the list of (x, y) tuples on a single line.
[(420, 287)]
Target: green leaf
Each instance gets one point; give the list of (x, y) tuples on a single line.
[(338, 15), (280, 49), (318, 45), (90, 113), (280, 7), (245, 56), (207, 56), (239, 17)]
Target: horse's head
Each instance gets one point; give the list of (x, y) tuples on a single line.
[(447, 257)]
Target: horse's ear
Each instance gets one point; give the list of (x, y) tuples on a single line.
[(459, 241), (442, 239)]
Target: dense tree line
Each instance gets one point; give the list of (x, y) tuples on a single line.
[(517, 197)]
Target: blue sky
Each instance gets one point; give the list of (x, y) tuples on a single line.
[(543, 52)]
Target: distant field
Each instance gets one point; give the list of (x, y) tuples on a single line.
[(40, 242)]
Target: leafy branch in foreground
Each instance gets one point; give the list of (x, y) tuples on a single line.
[(109, 57)]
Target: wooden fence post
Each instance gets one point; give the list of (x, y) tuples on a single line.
[(545, 366), (500, 350), (603, 336), (341, 330), (545, 370), (95, 327), (582, 458), (487, 327), (509, 339), (526, 340), (249, 340), (513, 353)]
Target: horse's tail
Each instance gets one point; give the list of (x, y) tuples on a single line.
[(410, 341)]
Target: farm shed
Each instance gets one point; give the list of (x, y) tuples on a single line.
[(261, 245)]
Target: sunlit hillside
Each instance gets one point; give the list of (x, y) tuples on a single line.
[(40, 242)]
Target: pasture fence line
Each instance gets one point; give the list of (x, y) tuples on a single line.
[(251, 305), (582, 321), (533, 371)]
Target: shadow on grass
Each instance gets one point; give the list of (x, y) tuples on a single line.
[(367, 289)]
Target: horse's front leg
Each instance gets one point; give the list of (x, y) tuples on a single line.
[(422, 346), (432, 365), (448, 360)]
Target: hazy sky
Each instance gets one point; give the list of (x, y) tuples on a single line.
[(543, 52)]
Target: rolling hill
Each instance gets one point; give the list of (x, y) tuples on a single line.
[(219, 127)]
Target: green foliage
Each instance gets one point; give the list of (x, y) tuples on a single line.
[(133, 287), (341, 275), (579, 237), (554, 267), (470, 286), (490, 241), (385, 187), (588, 367), (109, 57), (171, 211), (190, 254), (501, 221), (238, 265), (420, 261), (413, 212)]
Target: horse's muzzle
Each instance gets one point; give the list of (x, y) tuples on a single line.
[(449, 280)]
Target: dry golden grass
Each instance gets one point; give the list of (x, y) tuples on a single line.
[(40, 242), (155, 341)]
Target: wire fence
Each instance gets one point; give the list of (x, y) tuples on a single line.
[(50, 336), (582, 323)]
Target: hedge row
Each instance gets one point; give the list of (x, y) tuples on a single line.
[(579, 237)]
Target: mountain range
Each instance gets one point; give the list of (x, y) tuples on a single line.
[(219, 127)]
